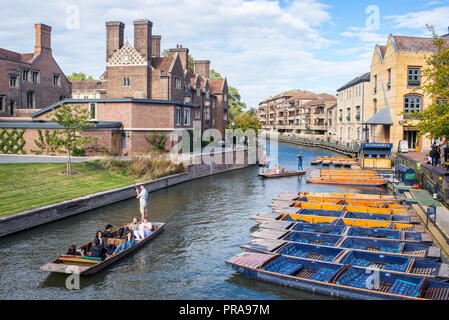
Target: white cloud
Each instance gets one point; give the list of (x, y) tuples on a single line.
[(438, 17)]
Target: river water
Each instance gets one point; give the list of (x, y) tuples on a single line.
[(207, 222)]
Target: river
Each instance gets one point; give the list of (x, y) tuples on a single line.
[(207, 222)]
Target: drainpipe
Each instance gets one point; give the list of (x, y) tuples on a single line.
[(20, 87)]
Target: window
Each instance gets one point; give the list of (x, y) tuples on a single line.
[(25, 75), (2, 103), (187, 117), (358, 133), (375, 105), (35, 77), (126, 82), (348, 117), (178, 116), (12, 105), (123, 140), (92, 111), (197, 114), (56, 82), (349, 133), (225, 97), (413, 77), (206, 113), (225, 115), (375, 83), (357, 116), (198, 92), (12, 81), (412, 104), (177, 83), (389, 79), (30, 100)]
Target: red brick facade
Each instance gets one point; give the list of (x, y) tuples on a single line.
[(31, 80)]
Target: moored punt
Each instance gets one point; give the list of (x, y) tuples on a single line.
[(271, 174), (364, 223), (342, 196), (393, 247), (326, 228), (89, 265), (337, 280), (349, 202), (315, 162), (346, 177), (382, 261)]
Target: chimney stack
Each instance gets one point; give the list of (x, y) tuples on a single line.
[(142, 37), (202, 67), (114, 37), (43, 38), (183, 55), (156, 46)]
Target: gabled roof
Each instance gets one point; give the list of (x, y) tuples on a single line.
[(327, 97), (15, 56), (314, 103), (87, 84), (363, 78), (126, 56), (381, 117), (216, 86), (162, 64)]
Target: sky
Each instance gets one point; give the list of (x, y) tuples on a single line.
[(263, 47)]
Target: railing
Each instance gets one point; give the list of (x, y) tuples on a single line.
[(352, 149)]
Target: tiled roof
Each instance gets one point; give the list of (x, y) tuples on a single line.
[(87, 84), (216, 86), (327, 97), (381, 117), (382, 50), (191, 77), (314, 103), (415, 43), (162, 64), (14, 56), (363, 78)]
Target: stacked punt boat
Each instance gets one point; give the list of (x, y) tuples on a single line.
[(346, 177), (336, 161), (342, 245)]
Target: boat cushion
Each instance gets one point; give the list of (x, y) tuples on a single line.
[(115, 242), (283, 266), (354, 278), (323, 275), (292, 250), (406, 288), (398, 267)]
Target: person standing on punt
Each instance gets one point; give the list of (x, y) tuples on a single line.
[(300, 162), (143, 198)]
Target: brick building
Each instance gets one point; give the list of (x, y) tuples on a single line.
[(30, 81), (144, 93)]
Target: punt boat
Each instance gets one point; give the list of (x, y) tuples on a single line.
[(364, 223), (340, 230), (287, 196), (382, 261), (393, 247), (335, 201), (271, 174), (90, 265), (342, 281)]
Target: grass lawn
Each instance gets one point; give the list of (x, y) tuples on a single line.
[(25, 186)]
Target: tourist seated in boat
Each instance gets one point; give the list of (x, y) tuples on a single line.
[(127, 243), (73, 251), (121, 233), (134, 225), (107, 233), (97, 250), (145, 228), (99, 236)]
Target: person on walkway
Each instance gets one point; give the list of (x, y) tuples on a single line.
[(143, 198), (300, 162), (434, 153)]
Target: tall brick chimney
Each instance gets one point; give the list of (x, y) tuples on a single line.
[(202, 67), (114, 37), (43, 38), (156, 46), (183, 55), (142, 37)]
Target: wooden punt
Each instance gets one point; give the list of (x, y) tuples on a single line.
[(381, 261), (342, 281), (268, 174), (392, 247), (88, 265), (358, 232), (315, 162), (346, 202), (370, 183), (364, 223), (340, 196)]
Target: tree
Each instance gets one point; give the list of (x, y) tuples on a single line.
[(246, 121), (79, 77), (434, 119), (73, 120)]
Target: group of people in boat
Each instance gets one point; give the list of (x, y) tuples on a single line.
[(277, 169), (102, 248), (130, 234)]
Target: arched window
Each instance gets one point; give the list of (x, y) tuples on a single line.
[(412, 103)]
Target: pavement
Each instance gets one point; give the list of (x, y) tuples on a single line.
[(10, 158), (421, 158)]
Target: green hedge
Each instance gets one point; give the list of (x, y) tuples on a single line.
[(12, 141)]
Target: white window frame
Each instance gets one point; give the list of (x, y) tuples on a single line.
[(186, 116), (412, 103), (178, 83), (26, 75), (94, 105), (206, 113), (35, 77), (126, 82), (178, 116), (12, 84)]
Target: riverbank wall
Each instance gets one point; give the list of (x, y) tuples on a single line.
[(201, 167)]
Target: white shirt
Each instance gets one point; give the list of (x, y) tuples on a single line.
[(143, 197)]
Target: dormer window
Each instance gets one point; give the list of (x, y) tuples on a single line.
[(177, 83)]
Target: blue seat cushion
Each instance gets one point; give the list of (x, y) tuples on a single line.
[(323, 275), (406, 288)]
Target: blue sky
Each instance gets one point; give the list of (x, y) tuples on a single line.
[(262, 46)]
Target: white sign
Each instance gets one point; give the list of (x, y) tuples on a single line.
[(403, 146)]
